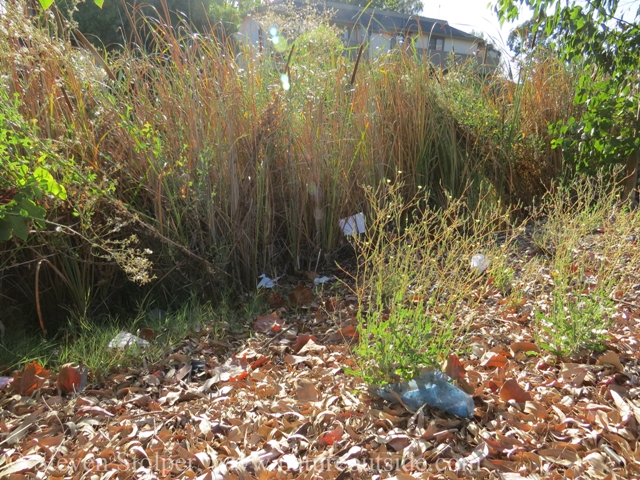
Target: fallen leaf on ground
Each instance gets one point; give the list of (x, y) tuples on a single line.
[(492, 359), (301, 296), (301, 341), (307, 391), (259, 362), (269, 323), (611, 358), (312, 347), (147, 334), (454, 368), (512, 391), (331, 437), (347, 333), (30, 379), (276, 301), (523, 347), (25, 463), (69, 378)]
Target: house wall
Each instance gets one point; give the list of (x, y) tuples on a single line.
[(249, 32), (462, 46), (380, 44), (423, 41)]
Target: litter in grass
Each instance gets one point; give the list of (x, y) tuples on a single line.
[(353, 225), (126, 339), (431, 388), (320, 280), (267, 282), (479, 263)]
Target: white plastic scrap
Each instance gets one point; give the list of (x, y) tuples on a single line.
[(125, 339), (266, 282), (353, 225), (479, 262), (319, 280)]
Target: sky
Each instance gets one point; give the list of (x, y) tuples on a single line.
[(469, 15), (475, 15)]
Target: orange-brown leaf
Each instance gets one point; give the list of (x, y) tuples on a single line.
[(493, 359), (512, 391), (454, 368), (301, 341), (259, 362), (301, 296), (269, 323), (147, 334), (331, 437), (331, 304), (276, 301), (611, 358), (523, 347), (347, 333), (30, 379), (69, 378)]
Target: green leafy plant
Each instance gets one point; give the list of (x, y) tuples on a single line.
[(597, 37), (578, 285), (414, 279), (573, 322), (26, 180)]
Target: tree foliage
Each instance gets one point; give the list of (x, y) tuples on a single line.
[(525, 38), (595, 36), (226, 14), (111, 24)]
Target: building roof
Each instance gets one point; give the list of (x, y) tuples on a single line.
[(380, 20)]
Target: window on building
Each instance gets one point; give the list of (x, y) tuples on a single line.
[(436, 44)]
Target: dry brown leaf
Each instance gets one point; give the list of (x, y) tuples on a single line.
[(276, 301), (492, 359), (25, 463), (611, 358), (269, 323), (312, 347), (512, 391), (330, 304), (29, 380), (311, 275), (523, 347), (332, 436), (348, 333), (147, 334), (262, 360), (453, 367), (621, 405), (562, 456), (94, 410), (69, 378), (307, 391), (301, 341), (301, 296)]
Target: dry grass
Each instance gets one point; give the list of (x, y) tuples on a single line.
[(191, 143)]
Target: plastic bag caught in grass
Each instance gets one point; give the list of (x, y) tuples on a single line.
[(353, 225), (126, 339), (266, 282), (431, 388), (479, 263)]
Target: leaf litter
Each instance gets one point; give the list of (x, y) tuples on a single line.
[(279, 405)]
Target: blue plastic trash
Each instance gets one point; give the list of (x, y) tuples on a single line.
[(431, 388)]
